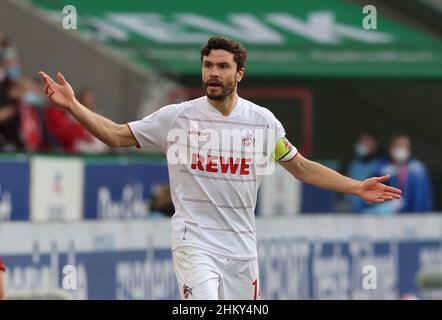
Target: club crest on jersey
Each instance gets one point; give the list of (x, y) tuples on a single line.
[(187, 291), (248, 140), (287, 144)]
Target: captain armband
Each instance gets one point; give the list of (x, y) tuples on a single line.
[(284, 150)]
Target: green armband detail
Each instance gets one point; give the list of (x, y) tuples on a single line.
[(282, 148)]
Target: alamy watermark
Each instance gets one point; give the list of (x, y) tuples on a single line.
[(232, 151), (370, 278), (70, 17), (369, 22), (69, 277)]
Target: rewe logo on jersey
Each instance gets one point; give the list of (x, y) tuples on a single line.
[(220, 164)]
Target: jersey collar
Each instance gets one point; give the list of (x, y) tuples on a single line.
[(214, 112)]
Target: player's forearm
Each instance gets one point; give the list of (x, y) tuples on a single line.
[(2, 286), (102, 128), (320, 176)]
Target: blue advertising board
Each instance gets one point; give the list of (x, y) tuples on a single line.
[(14, 189), (120, 191), (144, 274), (330, 258)]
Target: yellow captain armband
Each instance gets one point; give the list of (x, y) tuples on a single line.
[(284, 150)]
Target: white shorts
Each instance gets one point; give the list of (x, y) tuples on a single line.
[(205, 276)]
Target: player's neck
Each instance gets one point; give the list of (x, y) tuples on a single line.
[(225, 107)]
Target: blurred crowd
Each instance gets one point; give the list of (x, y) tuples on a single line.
[(406, 173), (28, 120)]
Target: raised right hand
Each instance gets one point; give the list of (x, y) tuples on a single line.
[(60, 93)]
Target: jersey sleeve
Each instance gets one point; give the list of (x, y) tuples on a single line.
[(151, 132), (283, 150), (279, 129)]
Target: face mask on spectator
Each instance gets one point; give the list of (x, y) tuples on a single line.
[(13, 73), (361, 150), (34, 99), (400, 154)]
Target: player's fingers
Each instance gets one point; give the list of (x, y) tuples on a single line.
[(61, 79), (387, 197), (48, 86), (392, 190), (49, 80), (379, 200), (51, 93), (42, 75), (49, 90), (393, 195), (46, 78), (383, 178)]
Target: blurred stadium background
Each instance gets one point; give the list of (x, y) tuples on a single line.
[(75, 202)]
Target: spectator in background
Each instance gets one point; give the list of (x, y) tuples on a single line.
[(161, 205), (70, 134), (64, 128), (408, 174), (88, 98), (3, 80), (9, 61), (365, 164), (32, 109), (6, 81), (10, 139), (2, 280)]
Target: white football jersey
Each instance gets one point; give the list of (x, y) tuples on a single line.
[(216, 164)]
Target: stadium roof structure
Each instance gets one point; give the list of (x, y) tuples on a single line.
[(284, 38)]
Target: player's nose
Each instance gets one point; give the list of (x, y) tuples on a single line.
[(214, 73), (214, 77)]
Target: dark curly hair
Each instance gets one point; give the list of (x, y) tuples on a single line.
[(230, 45)]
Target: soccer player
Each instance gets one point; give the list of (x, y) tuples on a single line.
[(2, 280), (218, 147)]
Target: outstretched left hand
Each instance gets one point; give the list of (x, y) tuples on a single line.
[(373, 190)]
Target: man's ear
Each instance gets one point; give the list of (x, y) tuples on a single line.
[(240, 74)]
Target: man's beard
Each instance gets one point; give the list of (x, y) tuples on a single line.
[(226, 90)]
